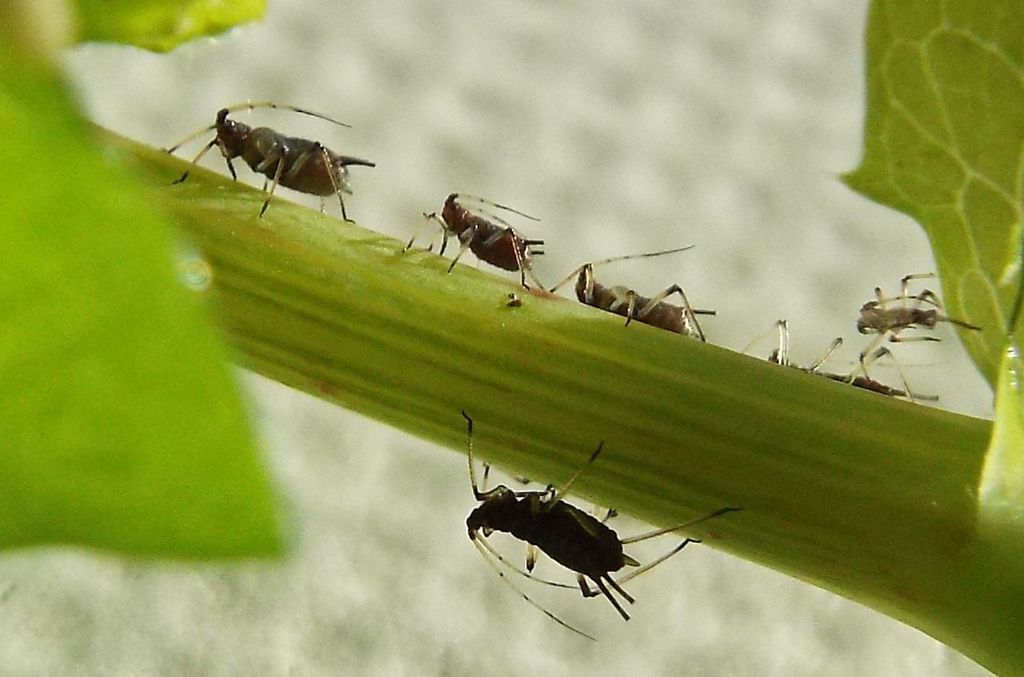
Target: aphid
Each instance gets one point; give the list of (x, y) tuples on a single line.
[(858, 378), (880, 316), (490, 237), (631, 305), (571, 537), (300, 164)]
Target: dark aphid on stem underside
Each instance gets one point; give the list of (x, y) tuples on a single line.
[(300, 164), (624, 301), (488, 236), (576, 540)]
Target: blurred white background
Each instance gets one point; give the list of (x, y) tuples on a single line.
[(627, 127)]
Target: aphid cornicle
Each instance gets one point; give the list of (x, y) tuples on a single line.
[(300, 164), (488, 236), (625, 302), (576, 540)]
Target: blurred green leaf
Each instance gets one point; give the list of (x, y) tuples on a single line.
[(120, 425), (1002, 483), (944, 143), (161, 25)]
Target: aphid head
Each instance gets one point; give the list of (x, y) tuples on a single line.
[(231, 134), (452, 213), (495, 509)]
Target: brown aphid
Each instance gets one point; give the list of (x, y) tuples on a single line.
[(490, 238), (880, 316), (300, 164), (573, 538), (889, 316), (627, 303)]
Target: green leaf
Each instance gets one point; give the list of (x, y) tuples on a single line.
[(161, 25), (944, 143), (1002, 484), (120, 426)]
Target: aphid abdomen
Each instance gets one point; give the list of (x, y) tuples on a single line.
[(611, 299), (498, 247), (663, 315), (572, 538)]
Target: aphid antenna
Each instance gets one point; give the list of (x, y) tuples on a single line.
[(612, 259), (477, 493), (491, 203), (832, 348), (558, 494), (483, 552), (677, 527), (431, 216), (251, 105)]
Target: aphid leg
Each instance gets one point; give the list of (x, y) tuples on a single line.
[(602, 590), (465, 240), (612, 582), (332, 174), (428, 217), (650, 565), (196, 159), (517, 245), (905, 285), (273, 185), (501, 574), (782, 356), (584, 276), (630, 306), (779, 355), (659, 532), (911, 395), (861, 362), (531, 556), (533, 277), (519, 256), (689, 316), (896, 338)]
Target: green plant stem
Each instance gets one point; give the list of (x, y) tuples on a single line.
[(867, 496)]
